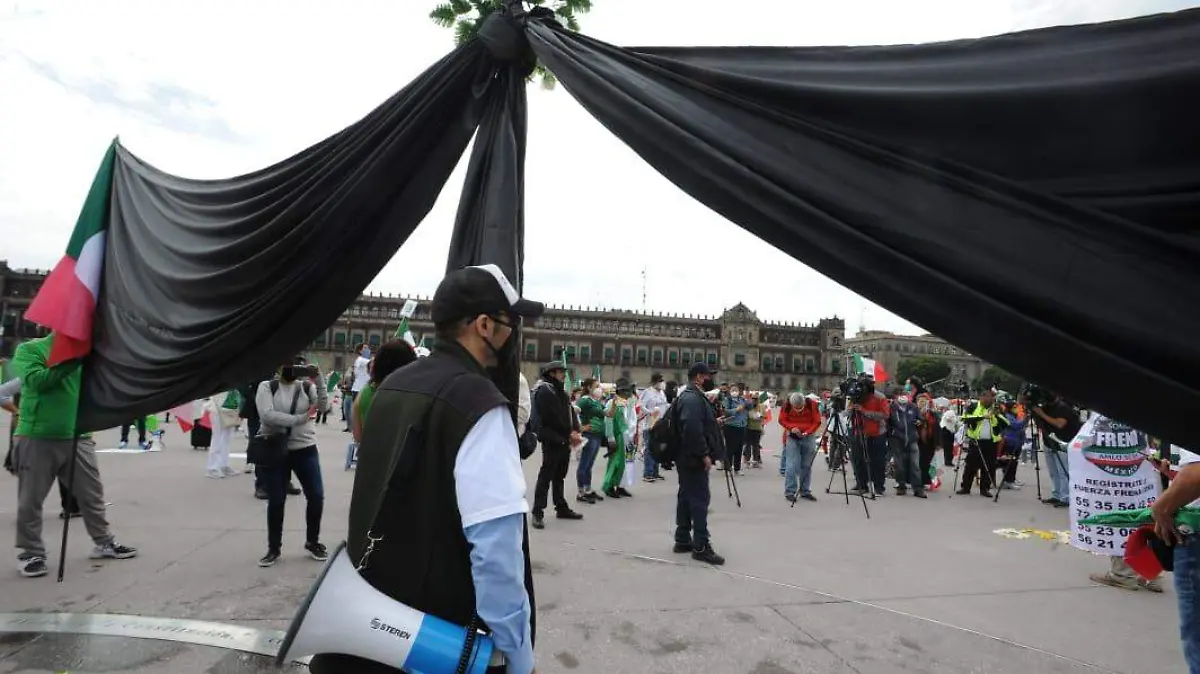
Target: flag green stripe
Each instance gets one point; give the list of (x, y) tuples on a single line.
[(93, 217)]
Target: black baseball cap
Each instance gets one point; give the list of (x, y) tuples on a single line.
[(699, 369), (471, 291)]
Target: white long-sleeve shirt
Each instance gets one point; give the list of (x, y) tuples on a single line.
[(524, 405)]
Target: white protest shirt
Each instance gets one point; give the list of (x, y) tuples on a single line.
[(361, 374), (1185, 458), (489, 482), (1108, 473)]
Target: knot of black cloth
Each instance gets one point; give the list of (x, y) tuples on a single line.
[(503, 33)]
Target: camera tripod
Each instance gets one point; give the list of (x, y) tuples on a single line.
[(984, 466), (730, 480), (841, 447)]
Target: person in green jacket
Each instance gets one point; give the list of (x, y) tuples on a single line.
[(623, 443), (591, 420), (45, 440)]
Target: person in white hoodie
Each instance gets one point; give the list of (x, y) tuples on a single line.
[(225, 422), (653, 403)]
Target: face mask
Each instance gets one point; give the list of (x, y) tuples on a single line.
[(505, 351), (287, 373), (903, 400), (908, 387), (734, 392), (597, 393), (707, 385), (366, 353), (661, 386)]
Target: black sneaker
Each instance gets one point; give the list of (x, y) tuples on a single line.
[(623, 493), (539, 522), (585, 498), (611, 493), (708, 556), (269, 559), (808, 497), (317, 551), (33, 567), (293, 489), (567, 515), (596, 498), (920, 494), (113, 550), (260, 494), (986, 493), (681, 548), (790, 497)]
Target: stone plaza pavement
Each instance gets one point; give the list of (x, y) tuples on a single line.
[(922, 586)]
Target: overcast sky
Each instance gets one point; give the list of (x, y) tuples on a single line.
[(216, 89)]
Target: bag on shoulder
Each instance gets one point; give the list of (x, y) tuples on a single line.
[(528, 442), (269, 451), (664, 437)]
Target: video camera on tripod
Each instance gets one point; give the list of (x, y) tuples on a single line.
[(853, 389)]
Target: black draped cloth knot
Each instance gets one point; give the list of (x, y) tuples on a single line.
[(503, 34)]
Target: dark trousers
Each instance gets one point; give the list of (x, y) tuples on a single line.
[(1012, 454), (875, 460), (305, 464), (753, 445), (691, 507), (927, 451), (948, 447), (981, 459), (555, 462), (69, 504), (735, 439), (141, 426)]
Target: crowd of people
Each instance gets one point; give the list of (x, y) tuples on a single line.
[(435, 435)]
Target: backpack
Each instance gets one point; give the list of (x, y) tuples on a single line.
[(664, 437), (528, 442)]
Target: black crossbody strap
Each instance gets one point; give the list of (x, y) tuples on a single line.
[(295, 400)]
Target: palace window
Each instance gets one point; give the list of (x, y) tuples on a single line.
[(358, 338), (779, 363), (585, 352), (320, 340), (810, 365), (796, 363), (374, 341), (531, 348), (641, 355), (556, 351), (767, 362), (571, 352), (339, 339), (699, 357), (610, 354), (672, 357), (712, 358), (739, 359), (686, 357), (626, 355)]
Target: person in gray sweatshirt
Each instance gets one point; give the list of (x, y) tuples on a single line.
[(287, 406)]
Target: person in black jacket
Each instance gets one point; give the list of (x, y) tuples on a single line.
[(699, 445), (557, 432)]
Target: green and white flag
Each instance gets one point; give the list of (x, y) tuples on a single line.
[(403, 332)]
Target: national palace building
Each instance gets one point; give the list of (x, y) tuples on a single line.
[(615, 343)]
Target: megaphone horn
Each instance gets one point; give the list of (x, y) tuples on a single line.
[(344, 614)]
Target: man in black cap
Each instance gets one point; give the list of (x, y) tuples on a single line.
[(557, 431), (437, 515), (699, 446)]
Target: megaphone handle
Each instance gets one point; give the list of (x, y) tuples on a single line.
[(464, 660)]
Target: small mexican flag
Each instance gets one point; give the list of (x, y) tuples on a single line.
[(403, 332), (67, 301), (871, 367)]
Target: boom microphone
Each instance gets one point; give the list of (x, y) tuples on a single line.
[(344, 614)]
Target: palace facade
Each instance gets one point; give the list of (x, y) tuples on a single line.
[(610, 343), (629, 344)]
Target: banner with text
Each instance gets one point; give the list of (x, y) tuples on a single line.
[(1109, 472)]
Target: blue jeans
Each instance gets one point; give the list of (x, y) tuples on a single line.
[(305, 464), (348, 406), (798, 456), (783, 461), (351, 451), (1187, 587), (651, 466), (587, 459), (1056, 463)]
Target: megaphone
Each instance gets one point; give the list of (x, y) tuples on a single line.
[(344, 614)]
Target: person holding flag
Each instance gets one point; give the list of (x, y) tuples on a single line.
[(46, 445)]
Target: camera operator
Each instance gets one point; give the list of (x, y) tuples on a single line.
[(874, 409), (1059, 423), (984, 425)]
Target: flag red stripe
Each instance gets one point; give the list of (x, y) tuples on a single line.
[(64, 304)]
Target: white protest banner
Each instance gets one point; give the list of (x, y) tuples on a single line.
[(1109, 472), (410, 308)]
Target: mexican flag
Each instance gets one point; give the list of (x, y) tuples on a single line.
[(403, 332), (871, 367), (333, 380), (67, 301)]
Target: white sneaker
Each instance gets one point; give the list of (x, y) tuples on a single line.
[(123, 444), (229, 471), (216, 474), (113, 551)]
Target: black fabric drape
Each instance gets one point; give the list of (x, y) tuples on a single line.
[(207, 283), (955, 185)]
